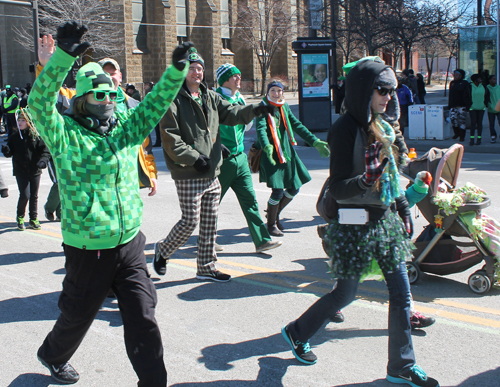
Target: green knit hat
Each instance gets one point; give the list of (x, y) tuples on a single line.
[(92, 77), (226, 71), (194, 57)]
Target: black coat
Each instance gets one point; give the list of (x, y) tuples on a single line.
[(26, 152)]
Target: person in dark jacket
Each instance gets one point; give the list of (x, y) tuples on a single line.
[(29, 156), (364, 181), (10, 104), (421, 89), (410, 80), (405, 98), (193, 152), (459, 102)]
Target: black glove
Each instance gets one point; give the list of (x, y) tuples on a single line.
[(201, 165), (5, 149), (261, 109), (69, 36), (42, 164), (180, 55), (225, 151)]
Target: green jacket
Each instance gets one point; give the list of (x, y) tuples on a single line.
[(189, 130), (233, 136), (477, 93), (292, 174), (101, 205), (494, 96)]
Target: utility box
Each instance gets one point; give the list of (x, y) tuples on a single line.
[(437, 123), (416, 122)]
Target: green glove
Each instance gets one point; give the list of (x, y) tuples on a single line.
[(268, 150), (322, 148)]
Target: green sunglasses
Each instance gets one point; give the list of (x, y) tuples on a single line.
[(101, 95)]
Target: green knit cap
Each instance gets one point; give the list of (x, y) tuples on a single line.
[(92, 77), (226, 71), (194, 57)]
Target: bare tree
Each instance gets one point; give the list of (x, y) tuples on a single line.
[(100, 16), (263, 25)]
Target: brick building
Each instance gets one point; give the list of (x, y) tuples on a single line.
[(152, 28)]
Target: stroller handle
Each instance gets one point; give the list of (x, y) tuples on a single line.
[(474, 206)]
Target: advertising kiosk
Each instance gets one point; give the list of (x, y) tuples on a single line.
[(314, 69)]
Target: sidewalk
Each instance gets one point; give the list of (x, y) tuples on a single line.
[(434, 96)]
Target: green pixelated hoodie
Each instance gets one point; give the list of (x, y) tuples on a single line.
[(101, 205)]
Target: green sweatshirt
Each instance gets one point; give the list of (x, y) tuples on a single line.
[(477, 97), (101, 205), (494, 97), (232, 136)]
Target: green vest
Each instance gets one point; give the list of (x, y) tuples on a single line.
[(7, 104)]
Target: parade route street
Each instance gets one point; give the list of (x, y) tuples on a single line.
[(228, 334)]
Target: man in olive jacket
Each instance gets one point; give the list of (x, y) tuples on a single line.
[(193, 152)]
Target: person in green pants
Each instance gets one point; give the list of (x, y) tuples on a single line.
[(234, 172)]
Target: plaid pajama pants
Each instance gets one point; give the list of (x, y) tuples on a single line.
[(199, 202)]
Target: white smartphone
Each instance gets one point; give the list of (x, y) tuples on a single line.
[(353, 216)]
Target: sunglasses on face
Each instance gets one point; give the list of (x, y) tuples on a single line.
[(382, 91), (101, 95)]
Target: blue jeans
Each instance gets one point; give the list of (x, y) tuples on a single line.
[(401, 355)]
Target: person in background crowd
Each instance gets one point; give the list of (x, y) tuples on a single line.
[(405, 98), (148, 87), (234, 171), (364, 175), (459, 102), (410, 80), (492, 98), (476, 112), (10, 105), (421, 89), (28, 88), (193, 153), (23, 98), (29, 156), (133, 92), (280, 166), (339, 91), (95, 151), (4, 188)]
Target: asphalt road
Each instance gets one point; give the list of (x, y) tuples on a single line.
[(229, 334)]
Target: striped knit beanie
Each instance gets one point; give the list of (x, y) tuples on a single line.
[(226, 71)]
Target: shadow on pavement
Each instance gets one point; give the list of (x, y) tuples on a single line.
[(487, 378), (38, 380), (271, 372), (12, 259)]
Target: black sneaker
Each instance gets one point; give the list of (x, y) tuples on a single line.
[(159, 264), (418, 321), (216, 276), (35, 224), (63, 373), (493, 139), (301, 351), (338, 317), (415, 377), (20, 223), (49, 216)]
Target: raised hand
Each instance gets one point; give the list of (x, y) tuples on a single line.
[(46, 47), (69, 36), (373, 167), (180, 55)]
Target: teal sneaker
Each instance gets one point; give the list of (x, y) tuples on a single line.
[(415, 377), (35, 224), (20, 223), (301, 351)]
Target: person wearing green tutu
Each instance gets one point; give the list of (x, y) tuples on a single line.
[(368, 235)]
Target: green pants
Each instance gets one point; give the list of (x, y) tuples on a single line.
[(235, 174)]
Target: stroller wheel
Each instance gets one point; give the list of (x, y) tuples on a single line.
[(479, 282), (413, 272)]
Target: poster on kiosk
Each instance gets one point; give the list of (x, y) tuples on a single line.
[(315, 82)]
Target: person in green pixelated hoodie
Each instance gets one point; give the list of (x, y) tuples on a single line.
[(95, 151)]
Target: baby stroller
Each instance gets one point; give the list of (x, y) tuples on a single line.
[(437, 250)]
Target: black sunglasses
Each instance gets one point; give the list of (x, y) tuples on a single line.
[(383, 91)]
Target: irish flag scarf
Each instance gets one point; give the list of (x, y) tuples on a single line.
[(282, 156)]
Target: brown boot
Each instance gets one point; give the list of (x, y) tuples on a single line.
[(272, 214)]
